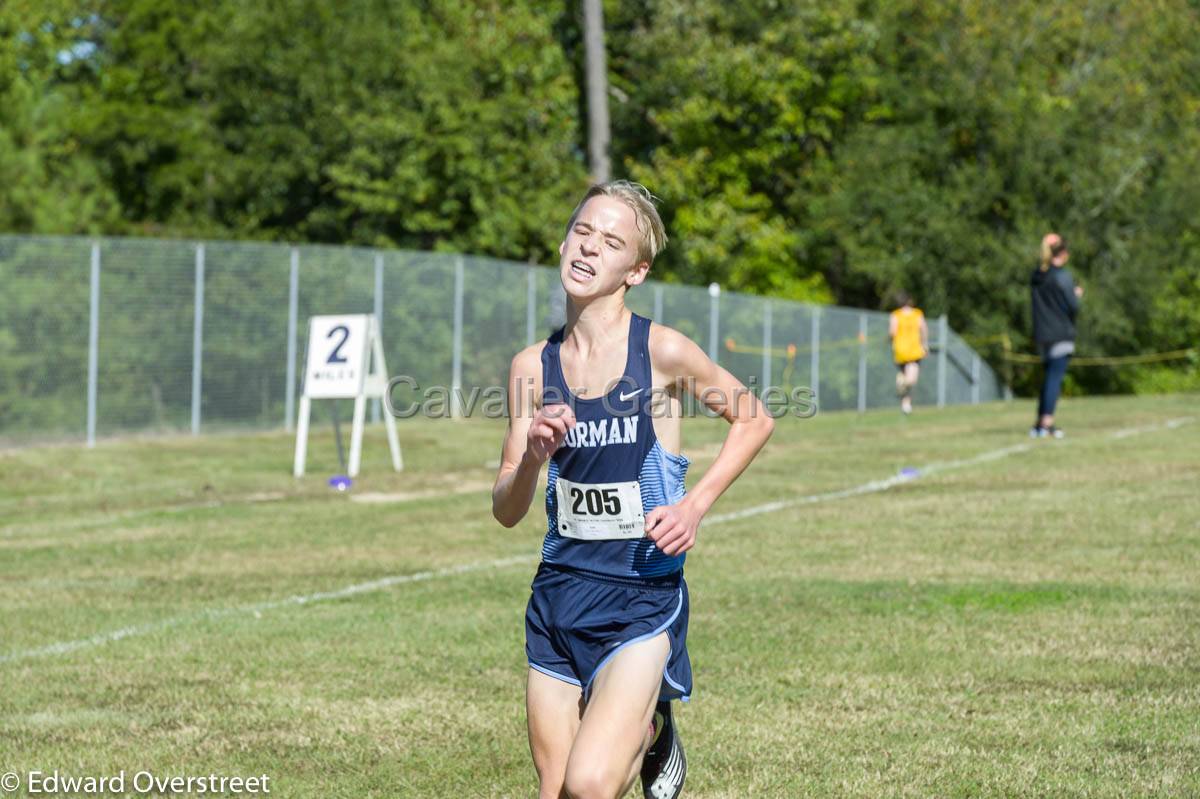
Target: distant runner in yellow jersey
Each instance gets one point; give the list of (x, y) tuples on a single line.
[(910, 343)]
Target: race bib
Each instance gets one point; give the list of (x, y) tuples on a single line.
[(600, 511)]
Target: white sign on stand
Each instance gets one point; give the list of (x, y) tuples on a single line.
[(345, 361)]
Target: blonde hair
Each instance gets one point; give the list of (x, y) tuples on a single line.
[(1045, 264), (653, 239), (1049, 242)]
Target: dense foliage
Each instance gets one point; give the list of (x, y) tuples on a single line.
[(833, 151)]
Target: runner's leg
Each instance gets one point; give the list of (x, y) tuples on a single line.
[(553, 708), (607, 754)]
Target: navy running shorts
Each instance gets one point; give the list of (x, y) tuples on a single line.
[(577, 621)]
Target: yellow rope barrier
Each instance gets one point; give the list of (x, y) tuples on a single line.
[(1110, 360), (1002, 338), (733, 346), (789, 351), (792, 349), (1086, 360)]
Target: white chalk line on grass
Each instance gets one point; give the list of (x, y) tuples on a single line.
[(1170, 424), (933, 468), (65, 647), (874, 486)]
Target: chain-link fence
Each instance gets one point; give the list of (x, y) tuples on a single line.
[(99, 337)]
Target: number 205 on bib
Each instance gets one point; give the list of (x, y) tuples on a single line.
[(600, 511)]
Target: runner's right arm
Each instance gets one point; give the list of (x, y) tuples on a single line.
[(534, 433)]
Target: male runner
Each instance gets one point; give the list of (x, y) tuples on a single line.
[(606, 623)]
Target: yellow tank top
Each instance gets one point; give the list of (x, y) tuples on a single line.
[(906, 345)]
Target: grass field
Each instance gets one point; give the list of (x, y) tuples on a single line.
[(1023, 619)]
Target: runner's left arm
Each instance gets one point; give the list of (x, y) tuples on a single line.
[(673, 527)]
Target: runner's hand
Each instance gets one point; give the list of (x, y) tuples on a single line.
[(547, 431), (673, 528)]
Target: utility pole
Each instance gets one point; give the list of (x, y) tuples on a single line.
[(597, 90)]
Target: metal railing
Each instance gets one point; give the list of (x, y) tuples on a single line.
[(107, 336)]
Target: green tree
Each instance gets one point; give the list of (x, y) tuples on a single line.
[(48, 182), (730, 111)]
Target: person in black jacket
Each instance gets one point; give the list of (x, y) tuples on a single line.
[(1056, 302)]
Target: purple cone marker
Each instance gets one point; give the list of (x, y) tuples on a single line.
[(340, 482)]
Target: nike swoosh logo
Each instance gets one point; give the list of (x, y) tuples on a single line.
[(630, 395)]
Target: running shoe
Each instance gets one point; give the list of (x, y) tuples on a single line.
[(664, 766)]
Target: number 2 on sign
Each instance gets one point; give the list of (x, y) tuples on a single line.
[(336, 356)]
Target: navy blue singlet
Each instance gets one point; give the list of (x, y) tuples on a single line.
[(609, 459)]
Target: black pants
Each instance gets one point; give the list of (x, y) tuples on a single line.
[(1052, 380)]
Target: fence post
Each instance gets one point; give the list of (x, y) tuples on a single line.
[(456, 357), (943, 343), (289, 406), (530, 305), (814, 371), (93, 345), (658, 298), (377, 405), (862, 362), (198, 340), (714, 318), (975, 379), (766, 364)]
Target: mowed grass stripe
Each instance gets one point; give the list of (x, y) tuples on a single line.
[(718, 518), (65, 647)]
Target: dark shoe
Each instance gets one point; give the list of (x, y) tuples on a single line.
[(664, 767)]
